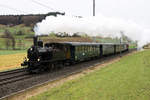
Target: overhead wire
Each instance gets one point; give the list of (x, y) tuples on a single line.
[(11, 8), (50, 1), (34, 1), (63, 11), (43, 5)]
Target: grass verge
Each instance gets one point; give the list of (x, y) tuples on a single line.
[(127, 79)]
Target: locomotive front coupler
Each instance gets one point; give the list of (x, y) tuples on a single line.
[(25, 63)]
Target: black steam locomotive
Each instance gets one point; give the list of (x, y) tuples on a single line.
[(52, 55)]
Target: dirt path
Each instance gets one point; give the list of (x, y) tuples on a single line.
[(37, 90)]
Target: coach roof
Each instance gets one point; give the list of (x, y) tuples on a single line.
[(84, 43)]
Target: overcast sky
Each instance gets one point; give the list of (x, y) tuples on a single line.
[(135, 10)]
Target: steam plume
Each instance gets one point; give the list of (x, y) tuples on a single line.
[(94, 26)]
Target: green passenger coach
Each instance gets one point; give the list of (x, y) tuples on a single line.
[(80, 51)]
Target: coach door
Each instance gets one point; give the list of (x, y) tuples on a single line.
[(101, 50), (68, 52), (72, 52), (114, 49)]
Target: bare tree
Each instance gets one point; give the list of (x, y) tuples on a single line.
[(9, 37)]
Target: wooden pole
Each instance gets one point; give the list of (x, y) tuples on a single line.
[(93, 7)]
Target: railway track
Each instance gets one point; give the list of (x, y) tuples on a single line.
[(12, 71), (16, 76), (13, 76)]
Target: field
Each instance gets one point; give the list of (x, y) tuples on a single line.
[(11, 59), (127, 79), (7, 52)]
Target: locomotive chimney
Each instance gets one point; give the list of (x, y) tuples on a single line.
[(35, 40)]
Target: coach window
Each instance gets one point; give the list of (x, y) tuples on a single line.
[(88, 48), (80, 48), (97, 48), (76, 48), (85, 48), (93, 48)]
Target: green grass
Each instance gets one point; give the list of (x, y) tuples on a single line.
[(132, 45), (6, 52), (128, 79)]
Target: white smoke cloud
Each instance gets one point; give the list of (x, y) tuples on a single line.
[(94, 26)]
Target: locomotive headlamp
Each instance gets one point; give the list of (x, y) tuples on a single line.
[(31, 49), (38, 59)]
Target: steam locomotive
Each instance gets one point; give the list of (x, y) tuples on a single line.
[(46, 56)]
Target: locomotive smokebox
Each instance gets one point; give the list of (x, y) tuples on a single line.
[(35, 40)]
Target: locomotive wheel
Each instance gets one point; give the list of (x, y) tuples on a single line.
[(60, 65), (52, 67)]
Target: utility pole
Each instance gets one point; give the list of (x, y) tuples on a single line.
[(121, 38), (94, 38), (93, 7), (120, 46)]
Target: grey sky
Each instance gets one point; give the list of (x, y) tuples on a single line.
[(136, 10)]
